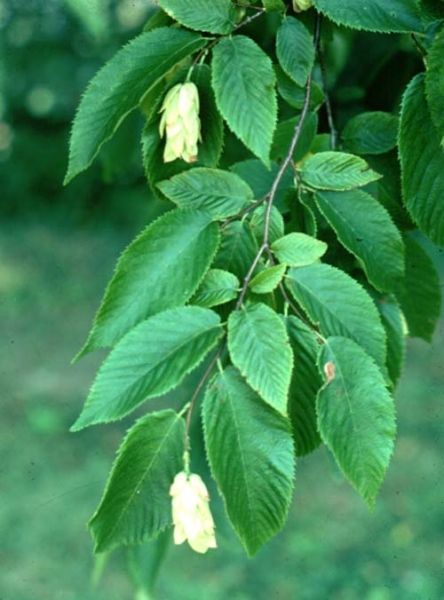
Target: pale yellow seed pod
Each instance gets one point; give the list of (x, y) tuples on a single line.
[(300, 5)]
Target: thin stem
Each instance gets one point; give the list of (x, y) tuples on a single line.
[(245, 211), (260, 11)]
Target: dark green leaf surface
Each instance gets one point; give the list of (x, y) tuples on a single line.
[(434, 83), (161, 269), (395, 329), (276, 224), (149, 361), (119, 87), (136, 505), (422, 163), (295, 50), (243, 81), (285, 132), (356, 415), (336, 171), (256, 337), (217, 287), (203, 15), (250, 450), (371, 133), (237, 250)]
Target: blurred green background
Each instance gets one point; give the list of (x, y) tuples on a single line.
[(58, 247)]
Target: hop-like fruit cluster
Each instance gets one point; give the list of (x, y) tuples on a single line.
[(180, 122), (300, 5), (191, 513)]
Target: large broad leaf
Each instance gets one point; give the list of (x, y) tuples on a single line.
[(434, 82), (243, 81), (336, 171), (366, 229), (209, 150), (371, 133), (356, 415), (217, 287), (119, 87), (161, 269), (298, 249), (203, 15), (395, 328), (237, 250), (295, 50), (250, 451), (259, 348), (422, 163), (340, 305), (150, 360), (221, 193), (373, 15), (136, 505), (305, 384), (420, 293)]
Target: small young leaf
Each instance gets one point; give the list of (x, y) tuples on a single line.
[(295, 50), (371, 133), (305, 384), (149, 361), (298, 249), (160, 269), (422, 163), (267, 280), (243, 81), (434, 83), (356, 415), (136, 505), (250, 451), (217, 287), (221, 193), (336, 171), (256, 336), (237, 250), (203, 15), (118, 88), (365, 228), (340, 305)]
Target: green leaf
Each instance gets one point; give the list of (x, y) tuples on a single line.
[(371, 133), (243, 77), (256, 336), (366, 229), (305, 384), (422, 163), (251, 455), (298, 249), (149, 361), (294, 94), (209, 150), (276, 225), (136, 505), (267, 280), (203, 15), (356, 415), (120, 86), (217, 287), (434, 83), (336, 171), (161, 269), (237, 250), (420, 293), (271, 5), (395, 329), (377, 15), (221, 193), (295, 50), (340, 305), (284, 134)]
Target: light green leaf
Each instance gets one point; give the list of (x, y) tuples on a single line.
[(298, 249), (340, 305), (267, 280), (237, 250), (149, 361), (251, 455), (217, 287), (276, 225), (420, 293), (395, 329), (376, 15), (295, 50), (434, 83), (161, 269), (422, 163), (256, 336), (136, 505), (203, 15), (243, 77), (120, 86), (221, 193), (284, 134), (371, 133), (336, 171), (305, 384), (356, 415), (366, 229), (271, 5)]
